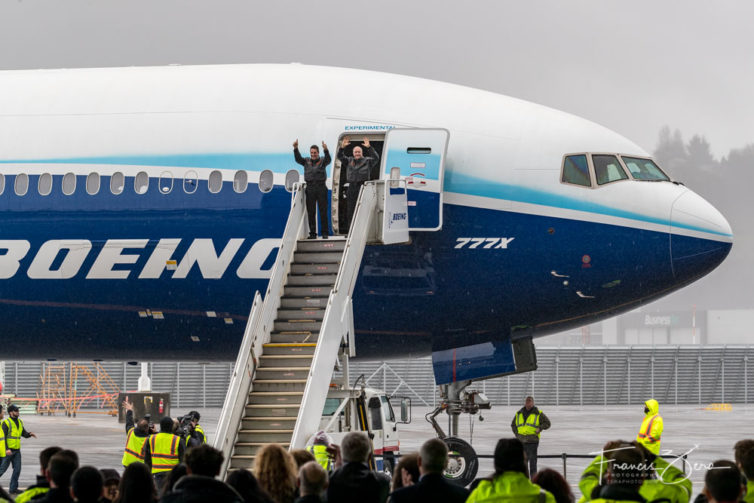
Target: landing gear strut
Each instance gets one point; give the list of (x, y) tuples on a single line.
[(463, 463)]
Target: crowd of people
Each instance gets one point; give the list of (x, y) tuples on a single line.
[(623, 472)]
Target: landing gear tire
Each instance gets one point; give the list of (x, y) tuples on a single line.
[(462, 462)]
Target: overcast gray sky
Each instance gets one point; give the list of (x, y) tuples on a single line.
[(633, 66)]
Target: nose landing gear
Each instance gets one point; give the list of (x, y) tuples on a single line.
[(463, 463)]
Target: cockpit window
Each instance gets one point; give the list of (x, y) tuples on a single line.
[(644, 169), (607, 169), (576, 170)]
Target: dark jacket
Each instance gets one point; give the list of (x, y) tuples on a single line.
[(56, 495), (544, 423), (201, 489), (431, 488), (313, 171), (356, 482), (362, 170), (309, 498)]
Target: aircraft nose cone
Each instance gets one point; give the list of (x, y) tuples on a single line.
[(700, 238)]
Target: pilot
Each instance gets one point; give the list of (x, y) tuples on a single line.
[(315, 176), (359, 169)]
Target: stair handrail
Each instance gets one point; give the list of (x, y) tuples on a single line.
[(243, 372), (334, 322), (258, 329)]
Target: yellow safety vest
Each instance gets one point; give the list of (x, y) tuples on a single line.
[(13, 440), (650, 432), (199, 430), (164, 447), (320, 454), (529, 425), (134, 448), (3, 448), (31, 493)]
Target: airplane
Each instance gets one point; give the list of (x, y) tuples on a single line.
[(142, 208)]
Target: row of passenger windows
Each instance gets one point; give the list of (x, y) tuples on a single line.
[(190, 182), (608, 168)]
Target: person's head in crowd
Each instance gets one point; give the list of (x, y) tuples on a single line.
[(276, 472), (44, 457), (552, 481), (61, 468), (166, 425), (142, 426), (355, 447), (740, 450), (111, 479), (723, 482), (433, 456), (312, 479), (174, 476), (628, 468), (406, 472), (509, 457), (136, 485), (245, 483), (203, 460), (87, 485), (302, 456)]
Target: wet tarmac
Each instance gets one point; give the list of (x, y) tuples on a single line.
[(705, 435)]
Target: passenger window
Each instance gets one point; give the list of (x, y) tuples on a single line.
[(215, 182), (92, 183), (117, 182), (576, 170), (190, 182), (69, 184), (141, 182), (166, 182), (266, 181), (240, 181), (607, 169), (21, 185), (44, 185), (291, 178), (2, 183), (645, 169)]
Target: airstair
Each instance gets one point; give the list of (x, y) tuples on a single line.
[(304, 328)]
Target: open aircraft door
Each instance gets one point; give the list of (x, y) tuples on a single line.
[(418, 156)]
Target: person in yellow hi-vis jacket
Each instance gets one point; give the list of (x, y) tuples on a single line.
[(13, 428), (651, 428), (666, 482)]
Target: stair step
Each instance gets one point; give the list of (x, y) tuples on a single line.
[(278, 385), (316, 257), (315, 268), (289, 349), (301, 314), (241, 462), (296, 326), (321, 245), (275, 397), (272, 410), (303, 302), (252, 448), (311, 280), (281, 373), (293, 336), (307, 291), (268, 436), (274, 423), (268, 361)]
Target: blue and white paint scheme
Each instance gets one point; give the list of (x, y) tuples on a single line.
[(118, 240)]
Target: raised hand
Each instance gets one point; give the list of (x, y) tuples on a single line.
[(128, 405), (324, 145), (345, 142), (366, 142), (295, 143)]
